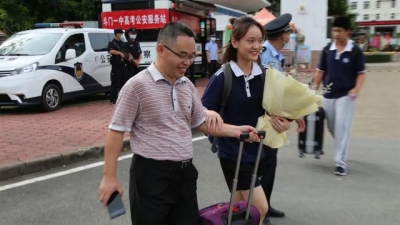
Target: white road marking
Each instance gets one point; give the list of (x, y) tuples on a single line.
[(74, 170)]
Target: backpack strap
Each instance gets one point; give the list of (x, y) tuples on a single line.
[(326, 52), (226, 91), (354, 55), (227, 86), (327, 47)]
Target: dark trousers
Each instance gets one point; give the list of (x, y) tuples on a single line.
[(117, 79), (213, 67), (131, 70), (191, 74), (270, 162), (163, 192)]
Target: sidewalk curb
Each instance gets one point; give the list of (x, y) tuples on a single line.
[(384, 71), (49, 162), (390, 67)]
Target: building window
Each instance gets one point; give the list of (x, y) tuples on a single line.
[(365, 17), (378, 4), (353, 5), (366, 5), (393, 3), (392, 16), (378, 17)]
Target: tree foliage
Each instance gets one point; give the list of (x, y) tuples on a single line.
[(337, 7), (275, 7), (17, 15)]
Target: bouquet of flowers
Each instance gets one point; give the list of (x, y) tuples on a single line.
[(285, 96)]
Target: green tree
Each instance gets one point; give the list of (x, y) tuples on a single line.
[(89, 9), (275, 7), (14, 16), (17, 15), (337, 7), (341, 8)]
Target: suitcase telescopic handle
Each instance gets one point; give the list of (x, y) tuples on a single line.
[(244, 136), (261, 134)]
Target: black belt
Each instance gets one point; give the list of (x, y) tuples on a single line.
[(172, 164)]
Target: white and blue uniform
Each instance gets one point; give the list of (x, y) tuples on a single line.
[(213, 66), (270, 56), (341, 70)]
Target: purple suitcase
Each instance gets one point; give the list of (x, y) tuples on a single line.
[(230, 213)]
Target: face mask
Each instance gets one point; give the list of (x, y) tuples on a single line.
[(133, 36), (285, 41), (212, 39)]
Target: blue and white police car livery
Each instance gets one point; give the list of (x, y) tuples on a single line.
[(46, 66)]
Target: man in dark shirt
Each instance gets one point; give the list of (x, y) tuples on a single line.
[(118, 64), (342, 66), (135, 52)]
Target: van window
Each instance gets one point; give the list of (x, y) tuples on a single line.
[(29, 44), (99, 41), (77, 42), (111, 36)]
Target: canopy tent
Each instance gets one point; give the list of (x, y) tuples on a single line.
[(263, 16)]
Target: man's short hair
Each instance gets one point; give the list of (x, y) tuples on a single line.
[(342, 22), (171, 31)]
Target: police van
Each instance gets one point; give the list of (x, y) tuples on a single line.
[(48, 65)]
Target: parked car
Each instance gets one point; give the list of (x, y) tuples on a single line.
[(49, 65)]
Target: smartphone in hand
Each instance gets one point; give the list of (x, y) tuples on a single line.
[(115, 206)]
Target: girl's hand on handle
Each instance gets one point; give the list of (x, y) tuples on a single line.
[(247, 134)]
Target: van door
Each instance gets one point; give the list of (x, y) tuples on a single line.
[(75, 69), (101, 68)]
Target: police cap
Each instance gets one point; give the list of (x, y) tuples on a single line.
[(118, 31), (279, 24)]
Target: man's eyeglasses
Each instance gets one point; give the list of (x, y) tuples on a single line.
[(189, 57)]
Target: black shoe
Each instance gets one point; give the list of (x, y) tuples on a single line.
[(267, 221), (340, 171), (275, 213)]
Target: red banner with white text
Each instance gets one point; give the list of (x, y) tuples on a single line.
[(147, 19), (190, 21), (139, 19)]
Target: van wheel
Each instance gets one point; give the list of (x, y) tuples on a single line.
[(51, 97)]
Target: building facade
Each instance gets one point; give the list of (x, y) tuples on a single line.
[(377, 17)]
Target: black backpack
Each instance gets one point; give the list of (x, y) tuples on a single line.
[(226, 91)]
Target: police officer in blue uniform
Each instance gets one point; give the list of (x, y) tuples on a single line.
[(278, 34), (212, 56), (118, 62), (135, 54)]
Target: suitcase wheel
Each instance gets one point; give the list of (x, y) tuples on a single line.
[(301, 154), (318, 155)]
